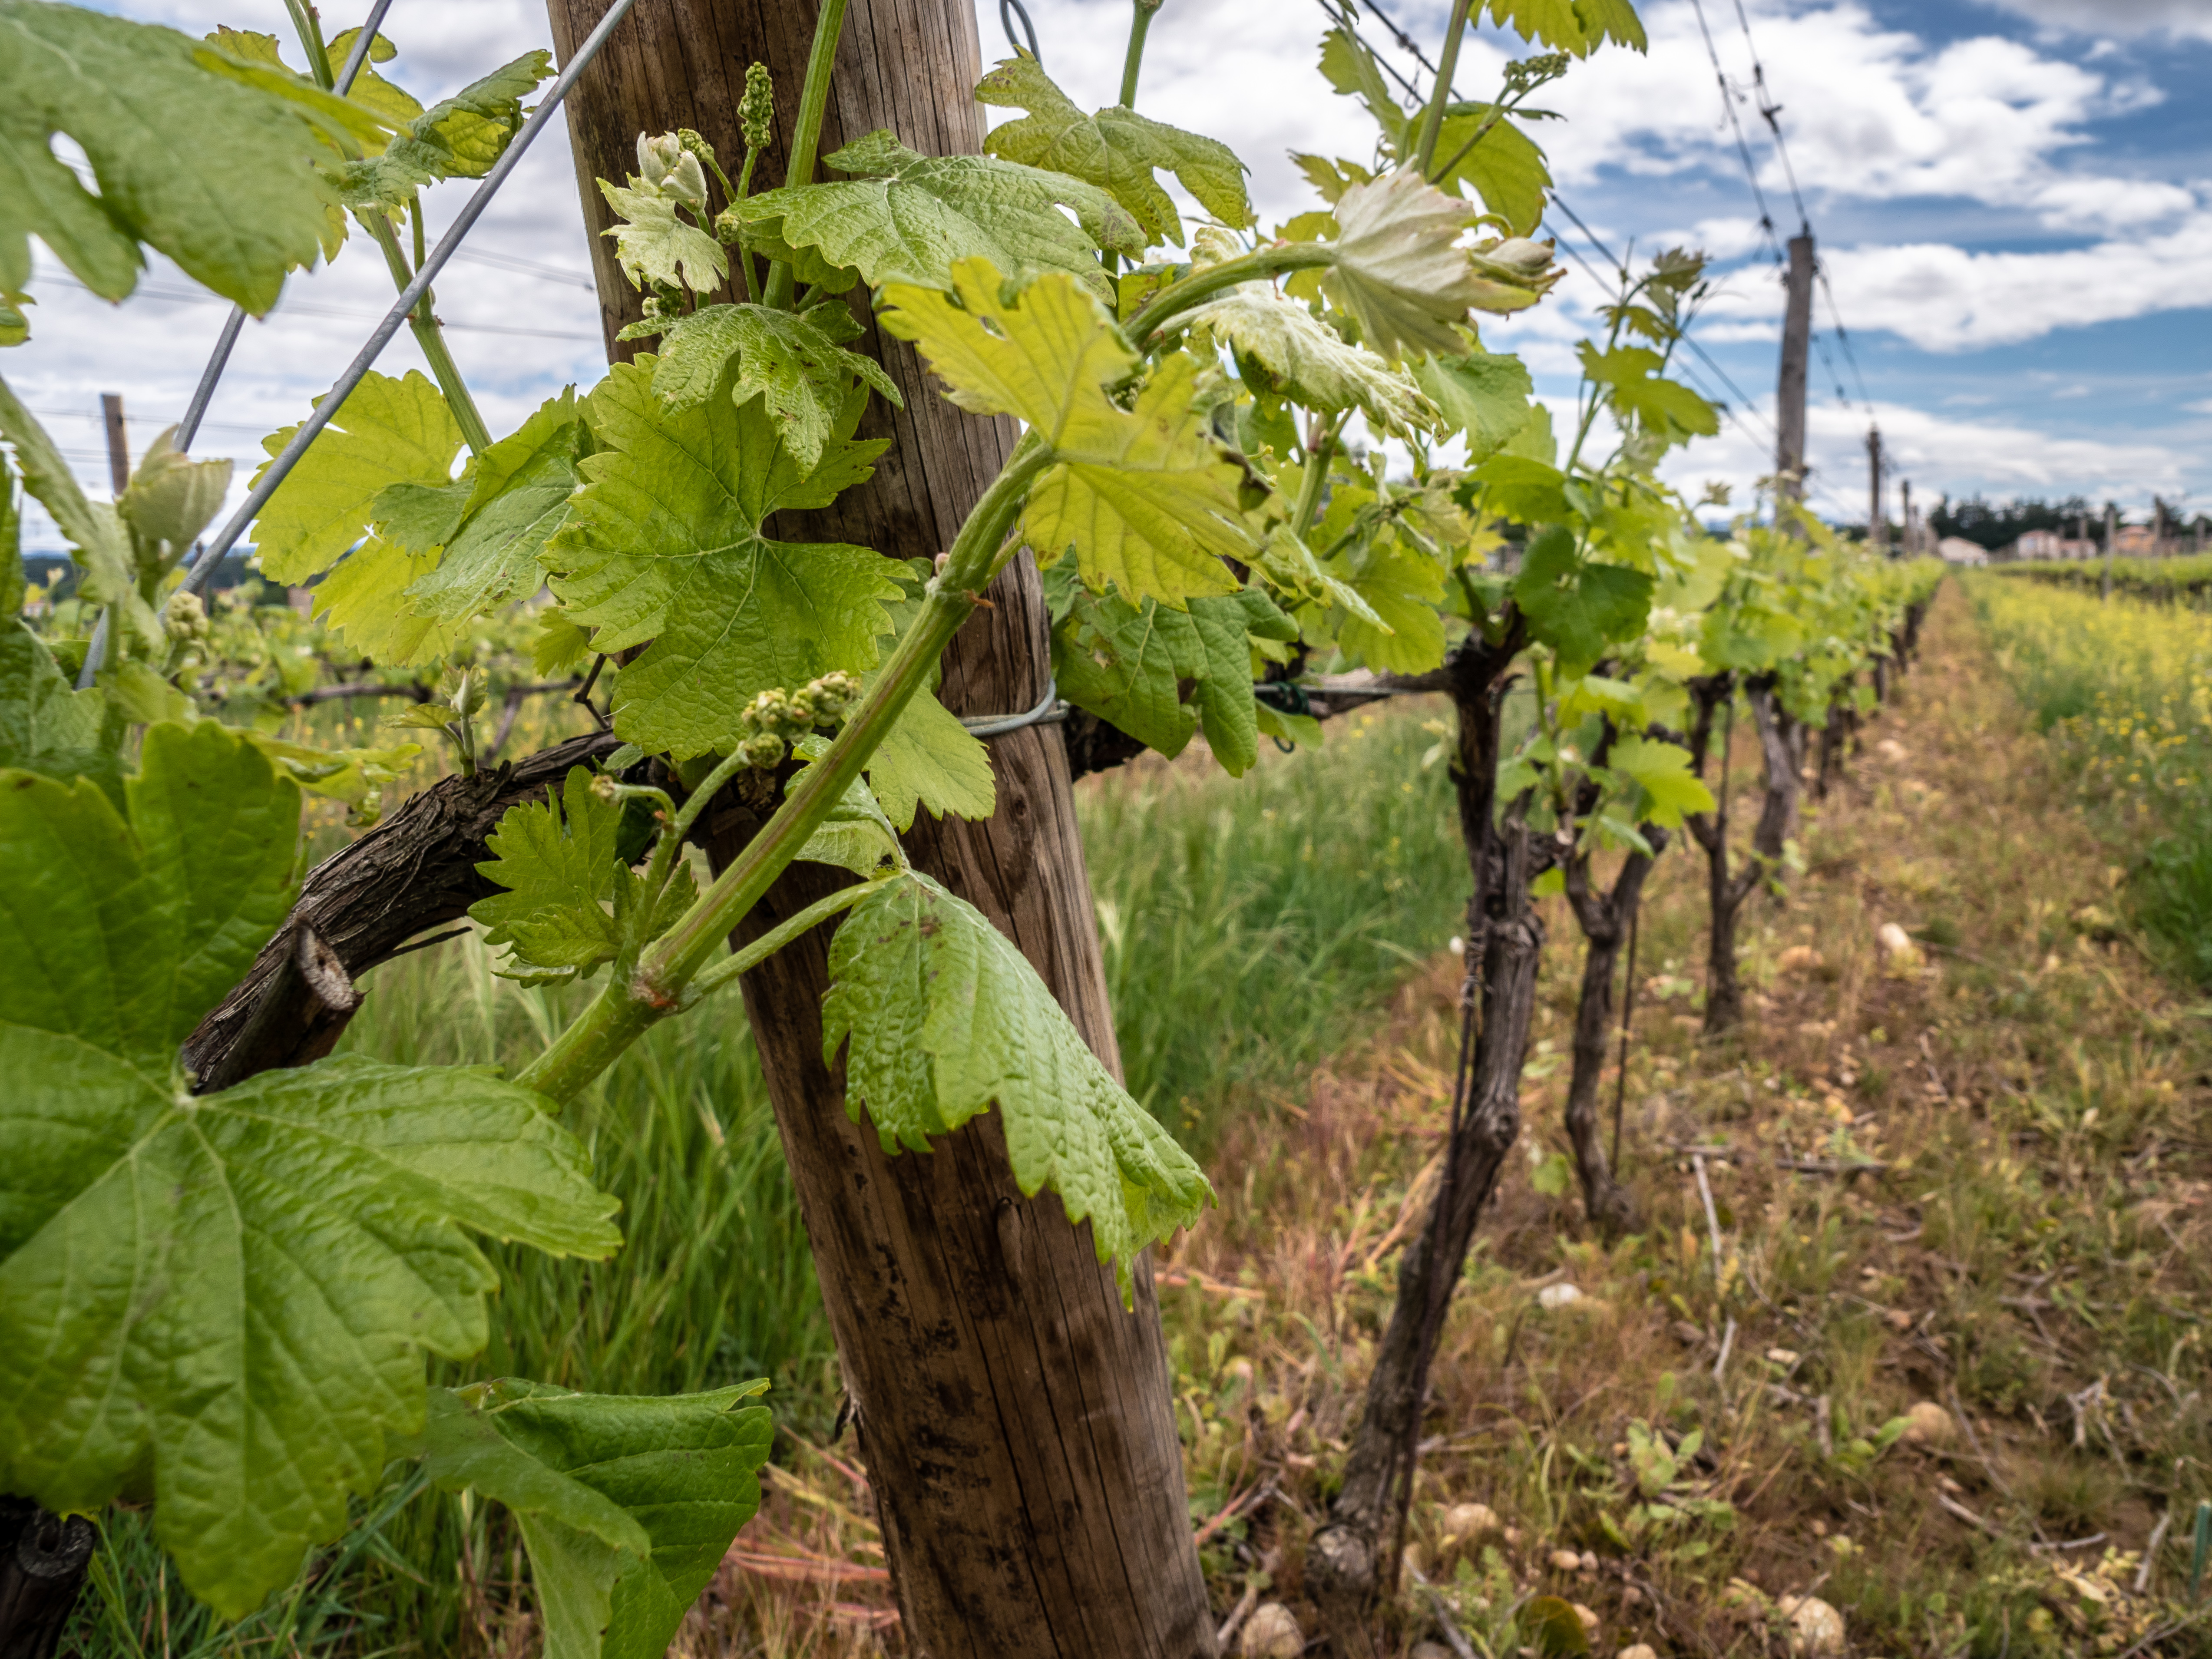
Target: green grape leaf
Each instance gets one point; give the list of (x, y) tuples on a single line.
[(909, 218), (1144, 495), (1116, 150), (1575, 606), (390, 431), (1662, 771), (1504, 164), (627, 1504), (1283, 350), (557, 860), (1290, 568), (663, 543), (658, 249), (516, 498), (369, 87), (1398, 270), (222, 1302), (929, 759), (560, 646), (94, 532), (1484, 395), (219, 176), (462, 136), (172, 497), (947, 1019), (1659, 405), (365, 600), (1402, 588), (1517, 488), (46, 726), (802, 376), (1128, 665), (1579, 26)]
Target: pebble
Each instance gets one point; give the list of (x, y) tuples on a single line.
[(1566, 1561), (1272, 1633), (1587, 1615), (1927, 1424), (1641, 1650), (1470, 1523), (1816, 1629), (1558, 1295)]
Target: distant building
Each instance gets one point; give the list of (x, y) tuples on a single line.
[(1957, 549), (2050, 544), (2137, 541)]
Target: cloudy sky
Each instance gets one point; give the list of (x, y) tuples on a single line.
[(2013, 199)]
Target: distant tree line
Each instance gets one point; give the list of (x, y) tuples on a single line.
[(1993, 525)]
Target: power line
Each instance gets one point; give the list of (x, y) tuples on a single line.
[(1769, 110), (1735, 125)]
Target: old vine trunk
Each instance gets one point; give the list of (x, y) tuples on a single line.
[(1780, 741), (1353, 1559), (1605, 916), (1016, 1421)]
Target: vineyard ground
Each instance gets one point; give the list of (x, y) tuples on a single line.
[(2032, 1258), (2031, 1261)]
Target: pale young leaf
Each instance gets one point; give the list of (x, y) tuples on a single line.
[(655, 247), (557, 862), (1144, 495), (1300, 357), (1662, 771), (389, 432), (1484, 396), (908, 218)]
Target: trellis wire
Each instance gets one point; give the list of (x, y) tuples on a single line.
[(204, 568), (1010, 10), (203, 394), (218, 359), (1049, 711)]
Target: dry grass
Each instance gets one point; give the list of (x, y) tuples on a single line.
[(2031, 1256)]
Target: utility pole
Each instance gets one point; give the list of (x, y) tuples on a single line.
[(118, 447), (1877, 532), (1797, 344), (1905, 518), (2111, 546)]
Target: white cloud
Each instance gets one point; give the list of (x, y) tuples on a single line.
[(1872, 113), (1937, 454), (2189, 19)]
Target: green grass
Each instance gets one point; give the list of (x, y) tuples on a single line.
[(2126, 689), (1250, 927)]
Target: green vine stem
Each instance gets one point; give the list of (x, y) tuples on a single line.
[(627, 1007), (429, 335), (745, 961), (310, 29), (1261, 265), (1139, 25), (806, 136), (1432, 117)]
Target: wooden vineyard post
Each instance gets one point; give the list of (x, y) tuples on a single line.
[(1016, 1421)]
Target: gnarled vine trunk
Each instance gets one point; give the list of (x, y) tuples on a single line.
[(1781, 747), (1605, 917), (1352, 1560), (1018, 1422)]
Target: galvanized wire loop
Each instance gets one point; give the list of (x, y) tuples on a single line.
[(1010, 10), (1049, 711)]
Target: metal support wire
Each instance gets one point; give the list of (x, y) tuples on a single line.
[(1009, 10), (204, 568), (218, 359), (1049, 711), (96, 649)]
